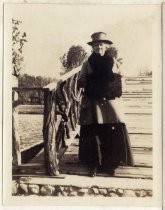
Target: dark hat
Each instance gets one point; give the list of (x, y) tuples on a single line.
[(99, 37)]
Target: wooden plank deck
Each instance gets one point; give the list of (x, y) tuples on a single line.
[(137, 102), (69, 164)]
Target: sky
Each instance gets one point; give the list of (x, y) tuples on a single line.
[(53, 28)]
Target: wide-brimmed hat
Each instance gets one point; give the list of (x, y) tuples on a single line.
[(99, 37)]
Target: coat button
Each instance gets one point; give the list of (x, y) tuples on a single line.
[(113, 128), (104, 99)]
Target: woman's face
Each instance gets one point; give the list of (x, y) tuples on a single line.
[(99, 48)]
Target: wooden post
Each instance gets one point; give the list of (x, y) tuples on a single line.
[(49, 133), (16, 153), (51, 124)]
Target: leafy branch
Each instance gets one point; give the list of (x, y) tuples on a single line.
[(18, 41)]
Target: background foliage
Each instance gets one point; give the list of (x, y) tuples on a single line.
[(73, 58), (32, 97)]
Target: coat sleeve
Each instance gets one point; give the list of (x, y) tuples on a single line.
[(82, 79)]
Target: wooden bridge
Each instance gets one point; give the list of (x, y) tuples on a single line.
[(57, 152)]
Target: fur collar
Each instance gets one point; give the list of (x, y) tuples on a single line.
[(101, 65)]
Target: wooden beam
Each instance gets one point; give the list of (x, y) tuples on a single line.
[(53, 85), (28, 88), (49, 133), (29, 153)]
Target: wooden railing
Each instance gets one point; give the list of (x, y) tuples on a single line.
[(61, 116)]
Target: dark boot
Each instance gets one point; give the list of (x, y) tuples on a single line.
[(93, 171)]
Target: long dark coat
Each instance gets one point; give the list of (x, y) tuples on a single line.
[(104, 139)]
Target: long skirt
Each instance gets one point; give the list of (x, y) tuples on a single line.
[(105, 145)]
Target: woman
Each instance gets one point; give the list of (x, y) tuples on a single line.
[(104, 142)]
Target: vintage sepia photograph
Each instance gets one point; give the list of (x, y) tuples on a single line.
[(82, 119)]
